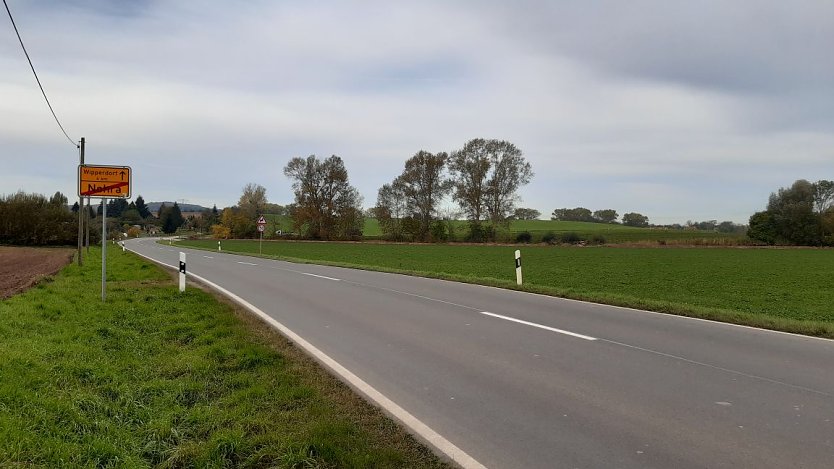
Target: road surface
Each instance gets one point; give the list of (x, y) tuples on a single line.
[(521, 380)]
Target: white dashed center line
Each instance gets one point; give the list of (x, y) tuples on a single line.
[(321, 276), (540, 326)]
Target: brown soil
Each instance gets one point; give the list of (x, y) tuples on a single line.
[(21, 268)]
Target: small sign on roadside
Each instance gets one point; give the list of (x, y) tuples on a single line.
[(261, 229)]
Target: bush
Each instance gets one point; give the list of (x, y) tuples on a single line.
[(438, 232), (549, 238), (570, 238), (220, 232), (479, 233), (524, 237), (598, 239)]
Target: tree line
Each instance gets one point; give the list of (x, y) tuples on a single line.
[(607, 215), (483, 177), (35, 220), (802, 214)]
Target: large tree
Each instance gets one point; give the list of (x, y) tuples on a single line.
[(142, 207), (608, 215), (635, 219), (116, 207), (326, 205), (510, 171), (170, 218), (470, 169), (792, 216), (424, 185), (526, 214), (487, 175), (572, 214), (253, 200), (761, 228), (239, 225)]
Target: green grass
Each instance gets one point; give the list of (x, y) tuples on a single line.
[(155, 378), (278, 222), (784, 289)]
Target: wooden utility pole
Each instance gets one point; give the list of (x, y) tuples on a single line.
[(80, 208)]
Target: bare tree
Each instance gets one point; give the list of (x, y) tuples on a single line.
[(325, 202), (487, 175), (470, 168), (390, 209), (510, 171)]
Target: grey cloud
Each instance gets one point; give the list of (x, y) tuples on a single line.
[(741, 46)]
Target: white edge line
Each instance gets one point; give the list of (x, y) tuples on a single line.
[(540, 326), (419, 428)]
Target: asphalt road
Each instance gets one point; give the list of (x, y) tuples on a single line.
[(518, 380)]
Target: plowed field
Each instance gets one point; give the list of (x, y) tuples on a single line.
[(20, 268)]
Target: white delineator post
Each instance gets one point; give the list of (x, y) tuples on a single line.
[(182, 272), (518, 266), (218, 247)]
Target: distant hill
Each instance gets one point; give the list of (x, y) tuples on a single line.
[(154, 207)]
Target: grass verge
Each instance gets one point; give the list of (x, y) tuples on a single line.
[(155, 378), (780, 289)]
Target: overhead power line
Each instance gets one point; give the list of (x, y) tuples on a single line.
[(36, 75)]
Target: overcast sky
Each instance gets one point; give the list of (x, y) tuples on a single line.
[(678, 110)]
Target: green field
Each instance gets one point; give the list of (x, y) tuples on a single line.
[(155, 378), (612, 233), (786, 289)]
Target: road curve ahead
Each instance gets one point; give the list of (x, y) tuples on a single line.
[(520, 380)]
